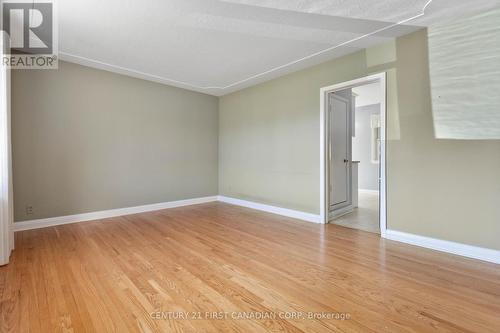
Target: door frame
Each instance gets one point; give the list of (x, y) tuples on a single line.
[(6, 204), (323, 174)]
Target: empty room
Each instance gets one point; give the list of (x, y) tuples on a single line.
[(250, 166)]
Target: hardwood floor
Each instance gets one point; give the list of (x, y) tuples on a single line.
[(261, 272)]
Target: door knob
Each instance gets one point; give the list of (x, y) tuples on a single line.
[(346, 161)]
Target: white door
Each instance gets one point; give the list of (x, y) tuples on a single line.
[(340, 130)]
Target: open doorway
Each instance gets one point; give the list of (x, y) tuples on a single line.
[(353, 154)]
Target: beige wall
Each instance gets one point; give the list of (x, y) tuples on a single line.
[(87, 140), (269, 148)]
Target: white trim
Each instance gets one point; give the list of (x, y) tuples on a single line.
[(6, 202), (426, 242), (52, 221), (383, 157), (59, 220), (272, 209), (445, 246), (323, 182), (323, 177), (129, 72)]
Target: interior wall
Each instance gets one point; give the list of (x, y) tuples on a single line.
[(446, 189), (88, 140), (269, 136), (464, 57), (361, 147)]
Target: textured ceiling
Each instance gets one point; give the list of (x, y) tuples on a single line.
[(218, 47), (387, 11)]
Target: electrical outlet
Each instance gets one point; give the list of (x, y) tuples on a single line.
[(29, 210)]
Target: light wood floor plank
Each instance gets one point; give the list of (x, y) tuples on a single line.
[(118, 275)]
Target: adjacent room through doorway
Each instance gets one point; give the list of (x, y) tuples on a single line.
[(354, 151)]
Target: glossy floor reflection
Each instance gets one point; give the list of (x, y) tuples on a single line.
[(177, 270)]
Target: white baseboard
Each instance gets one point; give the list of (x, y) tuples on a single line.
[(272, 209), (427, 242), (52, 221), (445, 246)]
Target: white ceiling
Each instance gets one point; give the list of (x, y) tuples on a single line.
[(218, 47), (367, 94)]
